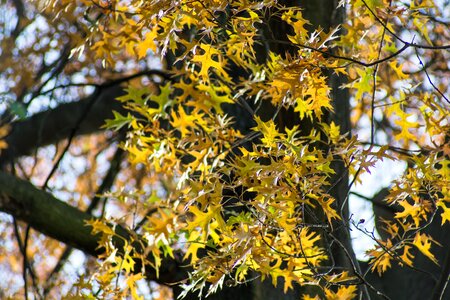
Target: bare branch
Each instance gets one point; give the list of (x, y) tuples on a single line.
[(108, 181), (441, 285)]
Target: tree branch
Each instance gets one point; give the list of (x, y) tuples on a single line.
[(53, 125), (108, 181), (58, 220), (441, 285)]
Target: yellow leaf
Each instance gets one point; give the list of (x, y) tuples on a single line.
[(445, 215), (296, 20), (308, 297), (333, 131), (210, 59), (161, 223), (398, 70), (288, 278), (215, 96), (131, 284), (382, 263), (343, 293), (4, 130), (202, 219), (195, 244), (304, 108), (149, 43), (99, 226), (415, 211), (407, 256), (380, 260), (329, 211), (127, 262), (163, 100), (182, 121), (444, 169), (423, 243), (268, 130), (364, 83)]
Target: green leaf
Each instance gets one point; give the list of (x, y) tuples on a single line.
[(18, 109), (119, 121)]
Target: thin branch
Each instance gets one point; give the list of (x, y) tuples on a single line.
[(26, 262), (374, 89), (20, 10), (69, 85), (441, 285), (429, 79), (163, 74), (26, 266), (377, 199), (59, 66), (144, 220), (400, 39), (51, 126), (108, 181), (71, 137), (346, 58), (391, 252), (404, 151), (357, 271), (88, 108)]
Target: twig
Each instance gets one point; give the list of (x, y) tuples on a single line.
[(429, 79), (346, 58), (374, 89), (71, 136), (26, 263), (441, 285), (108, 181), (399, 38), (110, 83), (357, 271), (20, 10)]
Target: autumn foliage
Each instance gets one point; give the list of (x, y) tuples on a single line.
[(245, 154)]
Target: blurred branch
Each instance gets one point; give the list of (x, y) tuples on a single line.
[(27, 266), (75, 118), (378, 199), (441, 285), (107, 183), (429, 79), (72, 134), (395, 35), (53, 70), (20, 10), (53, 125), (58, 220)]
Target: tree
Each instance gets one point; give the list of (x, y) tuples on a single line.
[(211, 147)]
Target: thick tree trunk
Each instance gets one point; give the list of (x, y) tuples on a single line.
[(322, 13)]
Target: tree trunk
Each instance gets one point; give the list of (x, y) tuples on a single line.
[(321, 13)]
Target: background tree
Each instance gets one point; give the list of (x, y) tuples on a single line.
[(237, 128)]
